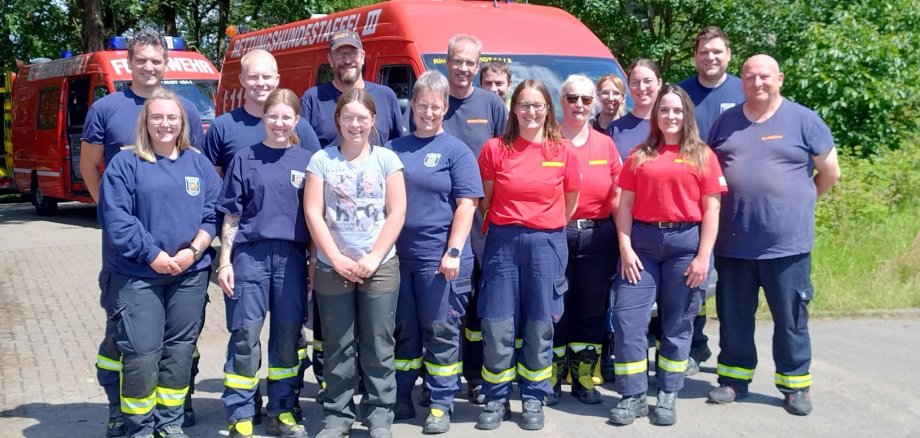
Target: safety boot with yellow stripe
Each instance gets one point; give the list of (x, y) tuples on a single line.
[(241, 429), (285, 426)]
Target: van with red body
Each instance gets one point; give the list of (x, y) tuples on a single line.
[(52, 98), (403, 38)]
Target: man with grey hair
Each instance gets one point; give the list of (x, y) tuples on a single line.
[(110, 126)]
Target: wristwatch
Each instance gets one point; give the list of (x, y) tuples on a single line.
[(196, 253), (453, 252)]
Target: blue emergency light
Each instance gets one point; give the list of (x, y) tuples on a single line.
[(116, 43), (175, 43), (66, 54)]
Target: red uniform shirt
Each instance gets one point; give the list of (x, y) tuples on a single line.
[(600, 166), (668, 188), (528, 186)]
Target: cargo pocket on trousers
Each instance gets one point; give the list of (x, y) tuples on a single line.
[(803, 296), (560, 287), (459, 299)]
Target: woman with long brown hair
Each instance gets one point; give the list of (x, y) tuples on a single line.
[(667, 223)]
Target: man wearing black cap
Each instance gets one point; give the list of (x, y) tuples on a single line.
[(346, 56)]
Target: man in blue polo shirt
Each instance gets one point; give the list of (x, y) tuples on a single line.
[(242, 127), (110, 125), (769, 149), (713, 90), (346, 56)]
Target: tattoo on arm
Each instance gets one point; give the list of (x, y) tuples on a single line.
[(231, 227)]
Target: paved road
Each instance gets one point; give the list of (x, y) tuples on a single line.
[(866, 370)]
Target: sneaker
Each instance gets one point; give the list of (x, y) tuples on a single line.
[(437, 422), (474, 391), (665, 413), (725, 394), (424, 398), (331, 432), (116, 424), (532, 418), (798, 403), (285, 426), (493, 414), (241, 429), (403, 410), (172, 431), (628, 409), (381, 432)]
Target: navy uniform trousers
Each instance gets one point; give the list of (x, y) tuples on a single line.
[(157, 325), (270, 276), (429, 313), (521, 292), (665, 254), (786, 282), (590, 271)]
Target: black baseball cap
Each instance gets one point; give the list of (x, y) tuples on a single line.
[(345, 37)]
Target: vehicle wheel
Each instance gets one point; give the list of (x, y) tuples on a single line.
[(44, 205)]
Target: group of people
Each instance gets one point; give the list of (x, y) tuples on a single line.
[(514, 249)]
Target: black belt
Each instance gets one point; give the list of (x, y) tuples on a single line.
[(662, 224), (581, 224)]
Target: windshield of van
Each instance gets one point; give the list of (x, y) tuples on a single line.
[(551, 70), (199, 92)]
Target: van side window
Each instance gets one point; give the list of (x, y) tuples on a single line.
[(48, 108), (100, 92), (400, 78), (77, 103), (324, 74)]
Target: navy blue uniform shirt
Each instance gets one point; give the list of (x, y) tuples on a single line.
[(112, 122), (708, 103), (237, 130), (438, 170), (145, 208), (317, 106), (628, 132), (264, 186)]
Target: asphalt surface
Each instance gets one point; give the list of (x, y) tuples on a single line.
[(866, 371)]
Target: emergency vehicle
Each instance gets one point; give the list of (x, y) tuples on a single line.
[(6, 143), (403, 38), (52, 98)]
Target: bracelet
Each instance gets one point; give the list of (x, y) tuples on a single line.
[(223, 266)]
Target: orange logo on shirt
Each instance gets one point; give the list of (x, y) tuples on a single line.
[(476, 121), (771, 137), (552, 164)]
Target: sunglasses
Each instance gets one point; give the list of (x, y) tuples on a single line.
[(572, 99)]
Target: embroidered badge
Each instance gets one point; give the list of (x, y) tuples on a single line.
[(297, 178), (192, 185), (432, 159)]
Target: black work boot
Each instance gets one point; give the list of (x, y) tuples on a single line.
[(116, 424), (188, 414), (403, 410), (582, 364), (607, 368), (474, 391), (257, 401), (284, 426), (560, 369), (172, 431), (532, 418), (628, 409), (493, 414), (665, 413)]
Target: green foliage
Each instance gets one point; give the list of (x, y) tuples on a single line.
[(860, 70), (33, 29)]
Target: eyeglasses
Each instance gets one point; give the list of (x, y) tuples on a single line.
[(462, 63), (274, 119), (350, 54), (527, 106), (158, 119), (572, 99), (348, 120)]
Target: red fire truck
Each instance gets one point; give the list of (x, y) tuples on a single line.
[(403, 38), (50, 103)]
